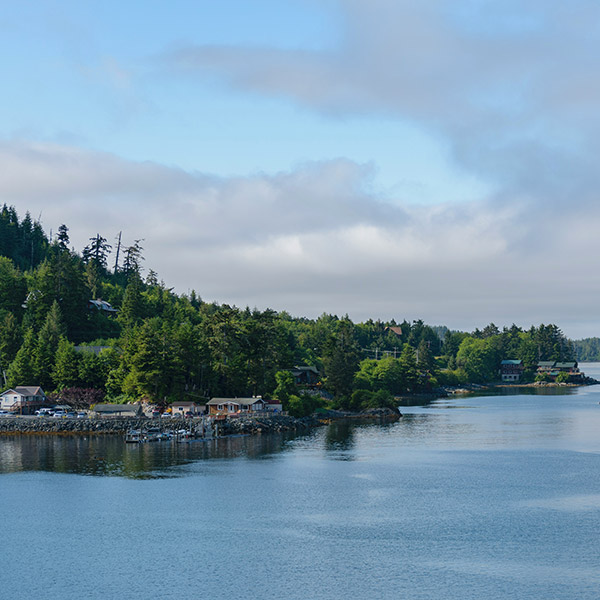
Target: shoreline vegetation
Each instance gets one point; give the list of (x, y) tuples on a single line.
[(97, 327)]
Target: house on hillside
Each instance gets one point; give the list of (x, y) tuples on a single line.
[(230, 406), (102, 306), (305, 376), (23, 399), (397, 331), (511, 370)]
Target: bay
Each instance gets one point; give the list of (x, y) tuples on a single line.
[(468, 497)]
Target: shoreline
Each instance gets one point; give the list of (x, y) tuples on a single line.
[(246, 424)]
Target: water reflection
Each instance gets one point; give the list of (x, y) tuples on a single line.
[(109, 455)]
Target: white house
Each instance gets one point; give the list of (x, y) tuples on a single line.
[(23, 399)]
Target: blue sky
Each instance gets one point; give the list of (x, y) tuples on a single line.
[(378, 158)]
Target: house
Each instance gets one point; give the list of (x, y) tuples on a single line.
[(566, 367), (118, 410), (397, 331), (511, 370), (93, 349), (273, 405), (182, 407), (23, 399), (222, 406), (306, 376), (101, 305), (552, 369)]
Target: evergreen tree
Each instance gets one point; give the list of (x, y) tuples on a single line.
[(47, 346), (65, 373), (22, 368), (10, 340), (341, 360)]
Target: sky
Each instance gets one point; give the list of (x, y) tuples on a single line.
[(383, 159)]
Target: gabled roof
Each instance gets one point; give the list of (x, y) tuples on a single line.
[(186, 403), (511, 362), (102, 305), (304, 369), (546, 363), (565, 365), (238, 401), (396, 330), (26, 390)]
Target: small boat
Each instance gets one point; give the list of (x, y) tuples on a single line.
[(152, 434), (133, 436)]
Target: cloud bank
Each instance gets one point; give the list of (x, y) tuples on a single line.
[(313, 240)]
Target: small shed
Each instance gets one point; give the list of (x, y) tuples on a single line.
[(118, 410)]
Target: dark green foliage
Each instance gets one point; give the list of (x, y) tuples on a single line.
[(303, 405), (164, 346), (341, 359)]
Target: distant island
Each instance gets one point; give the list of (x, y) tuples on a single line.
[(91, 328)]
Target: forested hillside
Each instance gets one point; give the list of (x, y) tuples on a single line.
[(139, 340), (587, 349)]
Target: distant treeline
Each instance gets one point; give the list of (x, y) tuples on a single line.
[(146, 342), (588, 349)]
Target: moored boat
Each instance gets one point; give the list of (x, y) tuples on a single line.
[(133, 436)]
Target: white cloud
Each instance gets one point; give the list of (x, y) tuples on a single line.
[(313, 240)]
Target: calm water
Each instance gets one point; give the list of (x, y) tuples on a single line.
[(481, 497)]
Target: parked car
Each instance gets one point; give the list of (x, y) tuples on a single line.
[(44, 412), (166, 414), (59, 414), (82, 415), (5, 413)]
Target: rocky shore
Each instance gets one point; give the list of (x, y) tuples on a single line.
[(110, 426), (21, 425)]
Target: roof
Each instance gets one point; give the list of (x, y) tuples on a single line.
[(239, 401), (94, 349), (565, 365), (102, 305), (546, 363), (303, 369), (26, 390), (396, 330), (117, 408), (511, 362), (186, 403)]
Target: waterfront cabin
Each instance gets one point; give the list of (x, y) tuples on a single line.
[(118, 410), (231, 406), (23, 399), (182, 407), (511, 370), (273, 406)]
